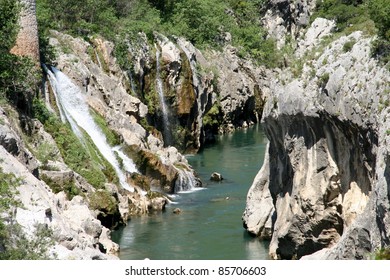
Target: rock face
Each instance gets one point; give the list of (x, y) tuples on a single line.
[(287, 18), (54, 196), (108, 94), (216, 177), (239, 94), (206, 93), (323, 185), (27, 43), (11, 141), (76, 230)]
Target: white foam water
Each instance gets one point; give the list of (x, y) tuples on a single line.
[(163, 105), (74, 108)]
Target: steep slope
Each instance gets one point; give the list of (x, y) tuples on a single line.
[(325, 169)]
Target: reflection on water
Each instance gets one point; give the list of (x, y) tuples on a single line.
[(210, 225)]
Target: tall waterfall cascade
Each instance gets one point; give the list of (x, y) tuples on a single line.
[(163, 105), (74, 109)]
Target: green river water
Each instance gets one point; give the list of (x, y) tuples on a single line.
[(210, 225)]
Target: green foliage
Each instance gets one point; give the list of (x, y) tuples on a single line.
[(9, 11), (323, 80), (200, 21), (111, 137), (46, 152), (203, 22), (80, 17), (103, 200), (383, 254), (122, 54), (381, 49), (142, 17), (8, 183), (379, 11), (344, 12), (40, 111), (19, 247), (352, 15), (18, 76), (349, 45), (213, 117), (80, 157), (56, 186)]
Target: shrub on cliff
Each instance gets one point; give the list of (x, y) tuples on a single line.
[(204, 22), (379, 11), (14, 245), (344, 12), (83, 158), (17, 75)]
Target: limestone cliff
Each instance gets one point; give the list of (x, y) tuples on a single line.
[(323, 184), (287, 18), (207, 92)]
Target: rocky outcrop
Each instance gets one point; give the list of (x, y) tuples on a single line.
[(80, 214), (239, 95), (76, 231), (10, 139), (109, 95), (325, 169), (259, 208), (206, 92), (285, 18), (216, 177), (27, 42)]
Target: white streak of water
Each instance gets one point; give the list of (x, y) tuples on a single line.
[(164, 108), (98, 59), (185, 182), (76, 111), (132, 85)]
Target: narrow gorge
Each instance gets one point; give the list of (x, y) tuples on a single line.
[(110, 130)]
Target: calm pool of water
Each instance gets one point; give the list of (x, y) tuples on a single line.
[(210, 225)]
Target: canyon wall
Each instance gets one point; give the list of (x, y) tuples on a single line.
[(319, 188)]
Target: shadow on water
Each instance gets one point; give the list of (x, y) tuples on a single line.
[(210, 225)]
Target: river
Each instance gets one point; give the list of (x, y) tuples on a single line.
[(209, 226)]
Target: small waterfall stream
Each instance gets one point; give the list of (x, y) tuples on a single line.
[(74, 108), (98, 59), (186, 181), (164, 108), (131, 79)]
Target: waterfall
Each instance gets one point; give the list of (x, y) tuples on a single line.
[(132, 85), (52, 81), (202, 99), (98, 59), (75, 109), (186, 181), (164, 109)]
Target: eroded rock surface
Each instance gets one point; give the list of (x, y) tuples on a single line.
[(325, 166)]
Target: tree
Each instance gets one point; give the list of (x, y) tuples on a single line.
[(18, 75), (379, 11)]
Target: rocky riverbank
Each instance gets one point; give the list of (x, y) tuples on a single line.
[(67, 185)]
